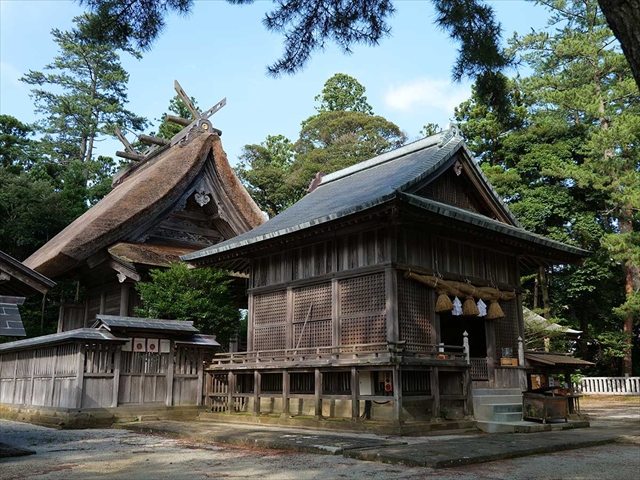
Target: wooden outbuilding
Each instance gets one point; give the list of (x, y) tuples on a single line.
[(179, 199), (347, 288), (117, 362)]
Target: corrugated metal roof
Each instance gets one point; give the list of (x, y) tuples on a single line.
[(10, 320), (353, 189), (556, 359), (115, 322), (88, 334)]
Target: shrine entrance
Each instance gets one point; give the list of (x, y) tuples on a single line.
[(452, 330)]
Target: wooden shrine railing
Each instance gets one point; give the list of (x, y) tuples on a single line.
[(342, 354), (479, 368), (609, 386)]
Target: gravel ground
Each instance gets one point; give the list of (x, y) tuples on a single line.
[(118, 454)]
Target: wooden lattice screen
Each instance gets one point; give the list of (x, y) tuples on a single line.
[(413, 311), (450, 188), (269, 321), (363, 310), (506, 328), (318, 330)]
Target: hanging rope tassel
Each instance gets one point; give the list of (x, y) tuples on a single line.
[(494, 311), (443, 304), (482, 308), (469, 307), (457, 307)]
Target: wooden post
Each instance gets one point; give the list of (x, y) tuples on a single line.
[(286, 390), (465, 346), (82, 352), (125, 290), (355, 403), (256, 392), (169, 373), (435, 391), (103, 300), (289, 342), (200, 376), (33, 372), (391, 294), (466, 390), (397, 394), (318, 393), (53, 377), (231, 388), (490, 338), (335, 312), (250, 324), (86, 312), (117, 358), (15, 377), (520, 352)]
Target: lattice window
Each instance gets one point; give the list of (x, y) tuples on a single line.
[(271, 383), (303, 383), (507, 331), (319, 296), (269, 308), (359, 330), (336, 383), (361, 295), (414, 309), (315, 334), (272, 337), (416, 382)]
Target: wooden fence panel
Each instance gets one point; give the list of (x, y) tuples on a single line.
[(97, 392), (609, 386)]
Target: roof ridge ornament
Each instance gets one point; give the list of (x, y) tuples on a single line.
[(450, 133)]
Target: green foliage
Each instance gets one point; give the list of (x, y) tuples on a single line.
[(199, 295), (264, 170), (16, 148), (343, 93), (277, 173), (430, 129)]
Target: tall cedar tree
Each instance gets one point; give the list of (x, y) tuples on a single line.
[(82, 96), (342, 133)]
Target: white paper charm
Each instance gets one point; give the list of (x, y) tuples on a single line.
[(457, 307), (482, 307)]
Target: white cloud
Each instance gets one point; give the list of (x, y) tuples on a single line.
[(426, 94)]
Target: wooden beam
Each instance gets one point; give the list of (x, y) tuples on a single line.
[(185, 98), (80, 375), (153, 140), (127, 146), (231, 387), (256, 392), (355, 404), (397, 394), (286, 389), (136, 157), (125, 289), (318, 393), (116, 374), (169, 376), (435, 392), (178, 120)]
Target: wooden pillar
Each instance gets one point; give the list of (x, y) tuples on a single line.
[(286, 390), (200, 376), (355, 403), (82, 352), (466, 390), (169, 373), (391, 294), (29, 400), (103, 300), (231, 388), (256, 392), (250, 324), (86, 311), (15, 377), (318, 393), (125, 290), (435, 391), (335, 312), (490, 338), (289, 341), (397, 394), (117, 358), (53, 377)]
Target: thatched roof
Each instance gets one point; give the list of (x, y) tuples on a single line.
[(143, 199)]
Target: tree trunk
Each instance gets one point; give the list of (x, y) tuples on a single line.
[(546, 311), (623, 17), (632, 278)]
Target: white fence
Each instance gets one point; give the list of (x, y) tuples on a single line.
[(609, 386)]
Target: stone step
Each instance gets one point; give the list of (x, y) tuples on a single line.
[(491, 399), (496, 391), (489, 412), (527, 427), (507, 417)]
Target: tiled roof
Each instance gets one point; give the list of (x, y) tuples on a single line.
[(133, 323), (90, 334)]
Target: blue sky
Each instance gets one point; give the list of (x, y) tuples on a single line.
[(222, 50)]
